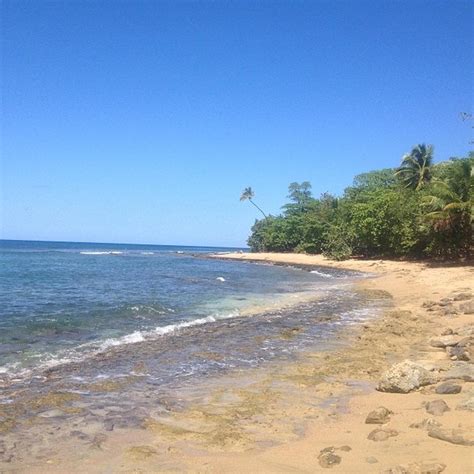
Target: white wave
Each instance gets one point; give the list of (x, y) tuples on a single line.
[(322, 274), (220, 279), (108, 252), (147, 253)]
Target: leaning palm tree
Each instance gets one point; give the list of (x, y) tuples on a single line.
[(415, 169), (248, 195)]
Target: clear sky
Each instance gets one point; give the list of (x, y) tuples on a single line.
[(141, 122)]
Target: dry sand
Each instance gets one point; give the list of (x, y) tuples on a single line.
[(280, 418)]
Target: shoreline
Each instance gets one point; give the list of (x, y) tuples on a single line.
[(282, 418)]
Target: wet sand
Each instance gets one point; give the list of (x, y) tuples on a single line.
[(278, 418)]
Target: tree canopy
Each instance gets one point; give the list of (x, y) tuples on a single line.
[(419, 209)]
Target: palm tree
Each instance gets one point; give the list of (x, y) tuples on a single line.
[(415, 169), (248, 195), (450, 204)]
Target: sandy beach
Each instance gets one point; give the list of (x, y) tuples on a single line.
[(311, 416)]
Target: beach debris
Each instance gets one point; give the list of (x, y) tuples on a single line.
[(379, 416), (328, 458), (460, 370), (405, 377), (381, 434), (426, 424), (454, 436), (220, 279), (417, 468), (436, 407), (467, 308), (448, 388), (466, 405)]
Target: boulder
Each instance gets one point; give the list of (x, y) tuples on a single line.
[(468, 307), (405, 377), (456, 436), (379, 416), (381, 434), (436, 407), (448, 388)]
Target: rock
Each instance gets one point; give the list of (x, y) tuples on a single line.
[(417, 468), (459, 352), (466, 405), (328, 458), (381, 435), (448, 310), (444, 341), (405, 377), (468, 307), (51, 413), (109, 425), (379, 416), (437, 407), (462, 296), (426, 424), (448, 388), (456, 436), (460, 370), (345, 448), (372, 460), (447, 332), (445, 301)]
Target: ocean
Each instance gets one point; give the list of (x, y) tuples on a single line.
[(147, 317)]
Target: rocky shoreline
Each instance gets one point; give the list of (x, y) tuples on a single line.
[(394, 396)]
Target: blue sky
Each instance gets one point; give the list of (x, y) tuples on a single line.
[(141, 122)]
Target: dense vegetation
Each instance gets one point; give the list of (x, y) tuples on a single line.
[(420, 209)]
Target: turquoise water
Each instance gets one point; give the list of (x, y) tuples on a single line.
[(63, 303)]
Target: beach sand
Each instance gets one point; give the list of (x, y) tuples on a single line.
[(302, 416)]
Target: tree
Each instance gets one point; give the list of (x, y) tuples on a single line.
[(300, 196), (248, 195), (450, 202), (415, 169)]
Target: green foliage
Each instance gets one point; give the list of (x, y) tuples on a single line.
[(417, 210)]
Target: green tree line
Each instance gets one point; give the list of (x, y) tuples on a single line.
[(419, 209)]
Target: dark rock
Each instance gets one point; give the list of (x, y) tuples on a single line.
[(405, 377), (379, 416), (327, 458), (456, 436), (437, 407), (448, 388), (381, 434)]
